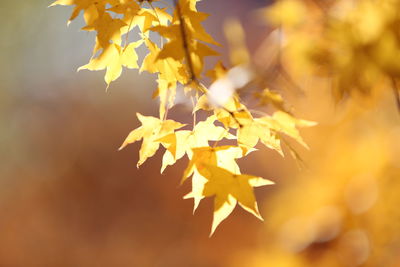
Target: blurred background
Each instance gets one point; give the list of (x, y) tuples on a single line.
[(69, 198)]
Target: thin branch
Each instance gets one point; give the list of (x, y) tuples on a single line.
[(185, 43)]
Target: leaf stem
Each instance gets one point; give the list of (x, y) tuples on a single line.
[(194, 113)]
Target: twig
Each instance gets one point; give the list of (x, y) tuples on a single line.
[(185, 43)]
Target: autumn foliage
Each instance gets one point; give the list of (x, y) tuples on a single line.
[(240, 102), (176, 54)]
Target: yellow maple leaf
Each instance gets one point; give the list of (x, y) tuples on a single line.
[(113, 58), (231, 113), (284, 123), (193, 19), (147, 18), (184, 35), (223, 156), (182, 142), (176, 50), (151, 131), (92, 9), (229, 189), (201, 156), (170, 71), (198, 182), (255, 130), (127, 8), (108, 29), (130, 10)]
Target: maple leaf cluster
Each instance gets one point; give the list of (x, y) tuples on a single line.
[(355, 44), (178, 58)]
